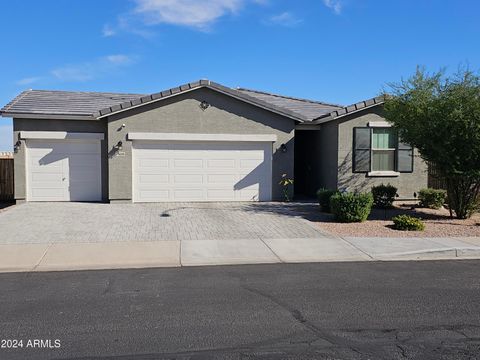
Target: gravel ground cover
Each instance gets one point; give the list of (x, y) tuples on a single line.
[(437, 224)]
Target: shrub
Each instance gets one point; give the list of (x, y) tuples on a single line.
[(351, 207), (324, 196), (432, 198), (409, 223), (384, 195)]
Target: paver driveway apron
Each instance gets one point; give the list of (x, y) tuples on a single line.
[(36, 223)]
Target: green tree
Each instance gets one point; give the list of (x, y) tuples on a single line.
[(440, 116)]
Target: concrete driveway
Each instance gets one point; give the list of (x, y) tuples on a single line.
[(37, 223), (58, 236)]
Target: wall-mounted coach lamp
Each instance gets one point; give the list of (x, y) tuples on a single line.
[(17, 146), (204, 105), (283, 148)]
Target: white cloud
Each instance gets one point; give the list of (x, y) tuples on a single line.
[(87, 71), (108, 31), (6, 137), (200, 14), (285, 19), (119, 59), (334, 5), (28, 80)]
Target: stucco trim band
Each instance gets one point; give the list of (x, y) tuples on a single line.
[(379, 124), (201, 137), (60, 135)]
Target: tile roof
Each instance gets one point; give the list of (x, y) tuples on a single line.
[(94, 105), (309, 109), (69, 103), (350, 109)]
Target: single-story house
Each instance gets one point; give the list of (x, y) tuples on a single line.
[(201, 141)]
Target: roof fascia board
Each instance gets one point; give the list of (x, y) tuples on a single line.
[(202, 137), (47, 116), (60, 135), (331, 116)]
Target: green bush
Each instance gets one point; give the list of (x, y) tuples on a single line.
[(384, 195), (408, 223), (432, 198), (351, 207), (323, 196)]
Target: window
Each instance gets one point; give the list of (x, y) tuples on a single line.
[(383, 149), (378, 150)]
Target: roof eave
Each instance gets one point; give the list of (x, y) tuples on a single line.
[(351, 109), (18, 115)]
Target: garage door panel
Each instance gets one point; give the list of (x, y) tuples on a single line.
[(250, 163), (221, 178), (47, 177), (154, 178), (188, 163), (188, 194), (202, 171), (221, 163), (220, 194), (188, 179), (155, 195), (48, 193), (154, 163)]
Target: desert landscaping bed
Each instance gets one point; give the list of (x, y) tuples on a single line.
[(437, 224)]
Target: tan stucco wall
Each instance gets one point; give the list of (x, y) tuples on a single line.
[(407, 183), (182, 114), (54, 125)]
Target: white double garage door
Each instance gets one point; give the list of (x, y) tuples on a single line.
[(201, 171), (163, 171)]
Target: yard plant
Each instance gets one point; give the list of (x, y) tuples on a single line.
[(323, 196), (432, 198), (351, 207), (286, 184), (407, 223), (384, 195), (440, 116)]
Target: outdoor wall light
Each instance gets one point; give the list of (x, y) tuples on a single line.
[(119, 145), (204, 105), (17, 146), (283, 148)]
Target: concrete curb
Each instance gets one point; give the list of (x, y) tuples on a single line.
[(455, 253), (97, 256)]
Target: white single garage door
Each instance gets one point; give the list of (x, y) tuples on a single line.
[(64, 170), (201, 171)]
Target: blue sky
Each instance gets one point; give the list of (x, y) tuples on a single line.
[(340, 51)]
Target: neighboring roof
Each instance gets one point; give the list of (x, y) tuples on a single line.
[(68, 104), (350, 109), (309, 109), (93, 105)]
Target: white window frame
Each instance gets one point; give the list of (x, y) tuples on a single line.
[(373, 173)]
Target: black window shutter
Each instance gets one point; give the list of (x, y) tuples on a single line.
[(361, 149), (404, 157)]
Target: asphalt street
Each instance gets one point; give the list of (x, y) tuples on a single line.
[(370, 310)]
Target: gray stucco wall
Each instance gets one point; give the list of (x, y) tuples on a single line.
[(182, 114), (54, 125), (407, 183)]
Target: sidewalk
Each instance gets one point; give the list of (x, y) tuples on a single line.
[(83, 256)]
